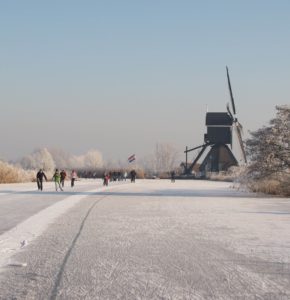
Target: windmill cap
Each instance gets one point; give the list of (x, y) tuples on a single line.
[(218, 118)]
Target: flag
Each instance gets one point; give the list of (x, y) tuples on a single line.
[(131, 158)]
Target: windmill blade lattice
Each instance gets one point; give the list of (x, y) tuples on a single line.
[(239, 135), (231, 93), (236, 124)]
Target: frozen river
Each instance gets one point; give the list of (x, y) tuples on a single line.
[(150, 240)]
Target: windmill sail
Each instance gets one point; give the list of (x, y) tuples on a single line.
[(238, 126), (231, 93), (229, 112), (239, 135)]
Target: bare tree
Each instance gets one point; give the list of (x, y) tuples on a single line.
[(147, 163), (162, 160)]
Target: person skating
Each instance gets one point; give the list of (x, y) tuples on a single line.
[(106, 178), (62, 177), (73, 178), (56, 179), (172, 176), (39, 179), (133, 175)]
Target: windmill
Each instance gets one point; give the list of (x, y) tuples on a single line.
[(220, 128)]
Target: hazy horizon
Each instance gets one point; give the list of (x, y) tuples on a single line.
[(121, 76)]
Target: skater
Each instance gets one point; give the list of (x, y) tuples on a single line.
[(56, 179), (73, 178), (125, 175), (62, 177), (172, 176), (39, 178), (106, 178), (133, 175)]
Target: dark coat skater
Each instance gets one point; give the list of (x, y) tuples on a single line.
[(172, 176), (62, 177), (133, 175), (39, 179)]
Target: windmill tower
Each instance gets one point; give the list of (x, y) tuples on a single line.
[(220, 128)]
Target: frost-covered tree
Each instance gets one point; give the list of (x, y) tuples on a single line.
[(27, 162), (76, 162), (268, 148), (61, 158), (118, 164), (93, 160), (39, 159)]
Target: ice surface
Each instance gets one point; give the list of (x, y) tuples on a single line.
[(154, 240)]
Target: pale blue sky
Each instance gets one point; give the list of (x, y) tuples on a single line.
[(120, 76)]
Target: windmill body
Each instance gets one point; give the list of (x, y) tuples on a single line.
[(220, 128), (218, 137)]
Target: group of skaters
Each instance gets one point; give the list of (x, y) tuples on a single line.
[(58, 178), (118, 176)]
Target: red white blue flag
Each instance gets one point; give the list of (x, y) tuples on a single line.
[(131, 158)]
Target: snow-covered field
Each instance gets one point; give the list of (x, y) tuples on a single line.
[(150, 240)]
